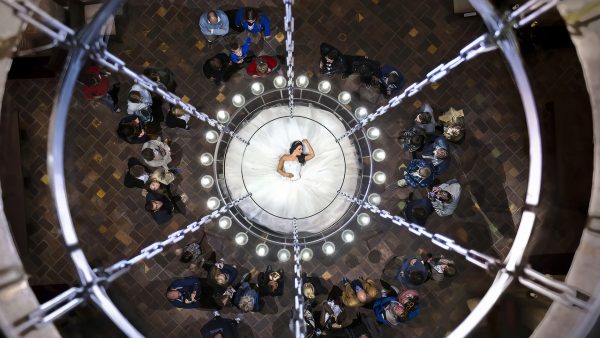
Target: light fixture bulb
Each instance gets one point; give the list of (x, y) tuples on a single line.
[(211, 136), (306, 254), (223, 116), (262, 250), (238, 100), (225, 222), (374, 199), (348, 236), (378, 155), (328, 248), (363, 219), (373, 133), (206, 159), (361, 113), (344, 97), (257, 88), (279, 82), (302, 81), (379, 177), (241, 238), (213, 203), (207, 181), (324, 86), (283, 255)]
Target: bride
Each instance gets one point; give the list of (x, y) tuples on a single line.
[(290, 165)]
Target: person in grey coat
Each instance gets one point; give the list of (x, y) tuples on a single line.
[(445, 197), (214, 24)]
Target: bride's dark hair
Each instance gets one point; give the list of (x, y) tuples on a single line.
[(301, 157)]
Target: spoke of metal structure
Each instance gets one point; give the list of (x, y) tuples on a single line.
[(299, 324), (65, 36), (549, 287), (288, 22)]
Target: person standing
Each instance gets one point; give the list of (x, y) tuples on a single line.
[(96, 87), (438, 153), (156, 154), (184, 293), (445, 197), (240, 53), (220, 327), (254, 22), (214, 24)]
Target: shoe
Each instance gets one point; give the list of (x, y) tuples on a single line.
[(216, 314), (345, 280), (175, 171), (239, 318), (116, 109), (184, 198), (402, 183)]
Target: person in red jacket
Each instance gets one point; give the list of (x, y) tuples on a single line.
[(96, 87), (262, 66)]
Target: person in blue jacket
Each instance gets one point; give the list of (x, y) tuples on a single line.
[(419, 174), (247, 298), (184, 293), (240, 54), (253, 22)]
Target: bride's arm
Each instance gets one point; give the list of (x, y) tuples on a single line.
[(311, 152), (280, 168)]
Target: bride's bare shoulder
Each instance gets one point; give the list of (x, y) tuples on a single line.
[(284, 157)]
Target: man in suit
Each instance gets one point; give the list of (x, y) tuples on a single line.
[(184, 293), (137, 174)]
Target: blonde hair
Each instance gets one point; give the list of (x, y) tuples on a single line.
[(349, 297), (370, 288), (177, 111), (246, 304), (215, 272), (308, 290)]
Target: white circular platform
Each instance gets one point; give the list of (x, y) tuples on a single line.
[(276, 200)]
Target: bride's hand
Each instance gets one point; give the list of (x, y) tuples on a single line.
[(290, 175), (305, 140)]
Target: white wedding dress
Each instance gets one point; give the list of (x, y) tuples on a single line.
[(310, 195)]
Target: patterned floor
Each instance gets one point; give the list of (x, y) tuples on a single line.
[(492, 162)]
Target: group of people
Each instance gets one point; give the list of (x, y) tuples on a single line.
[(143, 125), (353, 308), (254, 27), (428, 141)]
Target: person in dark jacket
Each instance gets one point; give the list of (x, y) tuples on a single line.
[(137, 174), (220, 327), (160, 207), (412, 273), (333, 61), (311, 288), (419, 174), (270, 283), (363, 327), (412, 139), (177, 118), (184, 293), (438, 152), (247, 298), (219, 68), (390, 81), (163, 76), (131, 130), (418, 210)]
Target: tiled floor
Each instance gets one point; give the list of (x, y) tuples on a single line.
[(415, 36)]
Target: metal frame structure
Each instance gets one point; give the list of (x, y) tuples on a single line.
[(86, 43)]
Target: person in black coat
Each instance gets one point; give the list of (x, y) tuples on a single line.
[(270, 283), (220, 327), (219, 68), (160, 207), (131, 130), (137, 174), (177, 118), (334, 62)]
